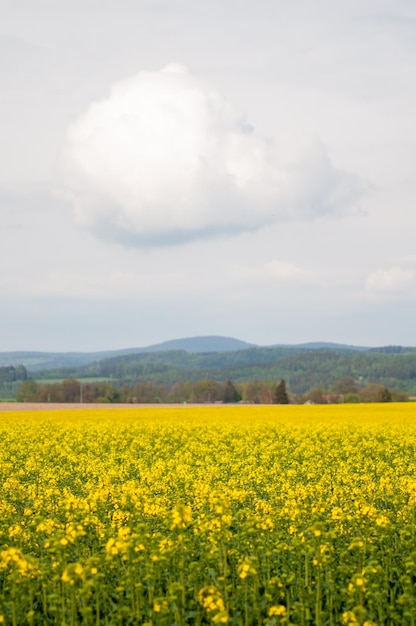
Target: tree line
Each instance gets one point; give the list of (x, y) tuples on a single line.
[(302, 370), (202, 392), (10, 374)]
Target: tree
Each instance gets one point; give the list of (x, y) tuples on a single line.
[(345, 384), (398, 396), (231, 394), (280, 394), (258, 391), (71, 390), (351, 398), (26, 391), (206, 390), (374, 392), (8, 373), (386, 395), (316, 395)]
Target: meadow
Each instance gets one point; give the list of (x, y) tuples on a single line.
[(235, 515)]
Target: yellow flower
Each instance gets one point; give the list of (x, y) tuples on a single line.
[(245, 568), (115, 546), (78, 570), (349, 618), (278, 610), (160, 605), (212, 601), (337, 513), (66, 577), (181, 516)]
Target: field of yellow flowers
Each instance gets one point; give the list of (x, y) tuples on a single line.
[(211, 515)]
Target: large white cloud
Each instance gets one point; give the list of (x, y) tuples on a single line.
[(166, 159)]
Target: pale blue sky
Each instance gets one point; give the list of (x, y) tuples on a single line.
[(280, 208)]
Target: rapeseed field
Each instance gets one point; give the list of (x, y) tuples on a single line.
[(241, 515)]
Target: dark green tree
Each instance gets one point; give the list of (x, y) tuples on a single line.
[(231, 394), (386, 395), (280, 395)]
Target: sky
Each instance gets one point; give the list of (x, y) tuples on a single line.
[(185, 168)]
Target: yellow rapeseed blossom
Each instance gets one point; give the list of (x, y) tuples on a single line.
[(277, 611), (349, 618), (246, 568), (160, 605), (212, 601), (227, 515), (181, 516)]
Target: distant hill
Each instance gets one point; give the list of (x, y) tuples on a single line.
[(303, 366), (36, 361), (211, 343)]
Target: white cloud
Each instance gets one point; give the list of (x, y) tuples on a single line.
[(394, 280), (283, 270), (166, 159), (276, 271)]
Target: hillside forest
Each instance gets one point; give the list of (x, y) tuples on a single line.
[(251, 375)]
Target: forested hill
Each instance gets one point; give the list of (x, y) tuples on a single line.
[(302, 367), (35, 361)]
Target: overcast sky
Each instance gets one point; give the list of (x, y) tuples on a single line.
[(172, 168)]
